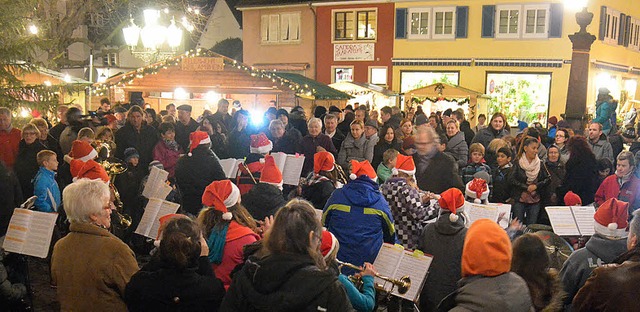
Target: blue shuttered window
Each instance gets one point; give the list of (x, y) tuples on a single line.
[(462, 21), (488, 21), (401, 23), (555, 24)]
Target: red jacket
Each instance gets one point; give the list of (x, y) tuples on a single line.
[(237, 237), (9, 146), (629, 192), (166, 156)]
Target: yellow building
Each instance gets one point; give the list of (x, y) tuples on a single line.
[(517, 52)]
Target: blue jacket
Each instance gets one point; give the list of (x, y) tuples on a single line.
[(359, 217), (603, 114), (47, 190)]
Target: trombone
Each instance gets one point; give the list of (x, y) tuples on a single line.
[(403, 284)]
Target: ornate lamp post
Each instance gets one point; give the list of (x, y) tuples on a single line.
[(154, 36), (576, 107)]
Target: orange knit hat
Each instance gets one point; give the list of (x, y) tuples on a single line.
[(487, 250)]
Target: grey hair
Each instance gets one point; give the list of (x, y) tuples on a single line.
[(330, 116), (276, 123), (626, 155), (84, 198), (5, 111), (634, 225), (429, 131), (314, 120)]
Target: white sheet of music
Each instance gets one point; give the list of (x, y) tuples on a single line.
[(416, 267), (280, 159), (584, 219), (293, 169), (155, 209), (506, 209), (562, 221), (386, 262), (30, 232), (230, 167), (479, 211), (156, 184)]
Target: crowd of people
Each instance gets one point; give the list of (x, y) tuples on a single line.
[(252, 243)]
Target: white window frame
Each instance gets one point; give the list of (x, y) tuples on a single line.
[(386, 79), (515, 35), (612, 29), (335, 68), (409, 20), (286, 20), (443, 10), (272, 28), (634, 36), (523, 18), (355, 25)]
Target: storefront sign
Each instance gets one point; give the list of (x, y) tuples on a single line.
[(203, 64), (353, 52)]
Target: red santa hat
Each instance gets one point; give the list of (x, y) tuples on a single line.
[(221, 195), (260, 144), (452, 200), (196, 139), (572, 199), (323, 161), (82, 151), (404, 164), (87, 170), (477, 189), (612, 218), (270, 172), (328, 245), (359, 168)]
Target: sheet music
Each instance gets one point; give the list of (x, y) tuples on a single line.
[(584, 219), (156, 184), (386, 262), (230, 167), (30, 232), (155, 209), (292, 169), (478, 211), (416, 266), (562, 221), (280, 159), (506, 209)]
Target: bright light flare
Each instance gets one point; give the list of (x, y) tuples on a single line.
[(180, 94), (212, 97), (576, 5), (33, 29), (256, 117)]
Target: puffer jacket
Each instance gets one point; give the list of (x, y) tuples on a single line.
[(263, 200), (359, 216), (194, 173), (360, 150), (285, 282), (487, 134), (458, 148)]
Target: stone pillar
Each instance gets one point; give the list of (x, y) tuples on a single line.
[(576, 107)]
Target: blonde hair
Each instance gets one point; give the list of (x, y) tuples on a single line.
[(389, 155), (497, 144), (30, 128), (476, 148), (86, 132), (44, 155), (39, 122), (102, 131)]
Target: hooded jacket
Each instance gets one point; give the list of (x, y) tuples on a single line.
[(359, 150), (443, 240), (263, 200), (194, 173), (458, 148), (47, 190), (287, 282), (487, 284), (597, 252), (359, 216), (628, 192)]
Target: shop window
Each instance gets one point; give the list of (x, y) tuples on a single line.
[(520, 96), (355, 25), (280, 28), (342, 73), (411, 80), (378, 75)]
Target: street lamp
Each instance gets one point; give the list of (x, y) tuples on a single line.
[(153, 36), (576, 106)]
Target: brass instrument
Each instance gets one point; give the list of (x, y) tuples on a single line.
[(342, 176), (403, 284), (114, 167)]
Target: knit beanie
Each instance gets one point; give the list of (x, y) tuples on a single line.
[(487, 250)]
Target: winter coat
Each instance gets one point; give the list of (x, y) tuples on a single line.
[(194, 173), (9, 146), (381, 147), (518, 181), (143, 141), (237, 237), (440, 174), (309, 146), (26, 165), (289, 143), (458, 148), (597, 252), (359, 216), (56, 131), (263, 200), (167, 157), (602, 149), (487, 134), (384, 173), (238, 143), (628, 192), (557, 172), (128, 185), (10, 197), (160, 287), (360, 150), (68, 135), (471, 169), (501, 191), (52, 144), (91, 268), (604, 110), (613, 287), (285, 282), (183, 132), (581, 178), (361, 300), (47, 190), (408, 210), (219, 145), (465, 127), (507, 292), (337, 139), (443, 240), (548, 297), (318, 193)]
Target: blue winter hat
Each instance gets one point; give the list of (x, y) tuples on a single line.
[(130, 153), (522, 125)]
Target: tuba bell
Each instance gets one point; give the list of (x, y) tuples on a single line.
[(114, 167)]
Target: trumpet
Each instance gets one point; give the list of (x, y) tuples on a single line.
[(403, 284)]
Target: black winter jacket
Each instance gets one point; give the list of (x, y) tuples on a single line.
[(144, 141), (263, 200), (194, 173), (26, 165), (518, 180), (318, 193)]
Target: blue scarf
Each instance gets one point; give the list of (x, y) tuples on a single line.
[(216, 242)]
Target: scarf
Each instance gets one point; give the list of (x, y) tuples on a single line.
[(530, 168), (171, 144), (220, 236)]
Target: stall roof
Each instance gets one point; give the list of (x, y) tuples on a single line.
[(319, 91), (447, 90), (363, 85)]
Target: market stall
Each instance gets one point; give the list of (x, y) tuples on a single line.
[(441, 96), (366, 93)]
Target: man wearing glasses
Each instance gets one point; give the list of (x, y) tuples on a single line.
[(435, 171)]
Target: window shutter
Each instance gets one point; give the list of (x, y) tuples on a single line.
[(264, 27), (462, 21), (401, 23), (555, 24), (603, 22), (488, 21), (627, 32), (622, 29)]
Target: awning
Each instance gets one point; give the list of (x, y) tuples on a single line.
[(319, 91), (283, 66), (353, 88)]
